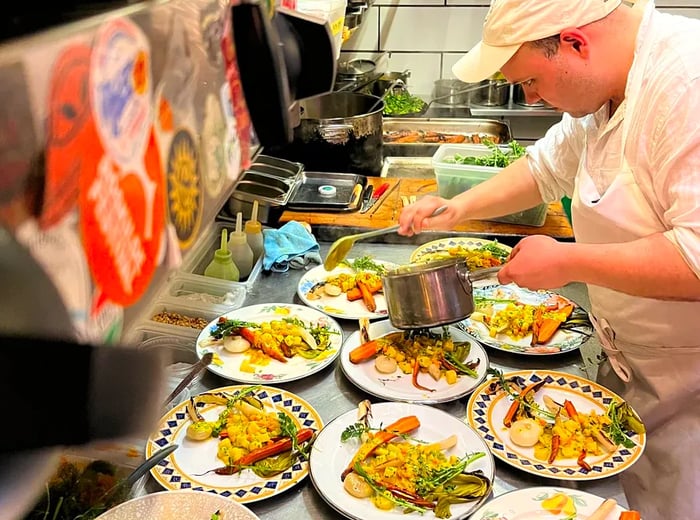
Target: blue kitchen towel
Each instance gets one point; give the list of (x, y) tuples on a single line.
[(290, 246)]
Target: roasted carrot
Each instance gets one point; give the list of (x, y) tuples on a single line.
[(271, 350), (401, 426), (630, 515), (582, 462), (515, 406), (367, 297), (354, 294), (569, 409), (269, 450), (554, 449), (414, 378), (365, 351), (545, 330)]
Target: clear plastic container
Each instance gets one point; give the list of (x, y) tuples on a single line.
[(181, 356), (453, 179), (202, 252), (182, 320), (193, 290)]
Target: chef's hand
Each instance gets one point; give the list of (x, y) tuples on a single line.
[(537, 262), (416, 217)]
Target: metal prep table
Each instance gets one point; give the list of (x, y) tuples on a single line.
[(331, 394)]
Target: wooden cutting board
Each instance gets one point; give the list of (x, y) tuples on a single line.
[(387, 213)]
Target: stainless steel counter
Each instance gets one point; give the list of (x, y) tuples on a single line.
[(331, 394)]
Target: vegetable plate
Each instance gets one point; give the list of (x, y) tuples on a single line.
[(180, 504), (439, 380), (556, 425), (270, 343), (543, 503), (535, 323), (401, 460), (478, 253), (353, 290), (217, 452)]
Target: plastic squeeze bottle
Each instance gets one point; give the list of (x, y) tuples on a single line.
[(222, 265), (254, 234), (241, 251)]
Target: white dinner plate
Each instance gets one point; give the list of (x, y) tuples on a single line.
[(561, 342), (187, 466), (439, 248), (176, 505), (228, 364), (485, 413), (543, 503), (339, 306), (399, 386), (330, 456)]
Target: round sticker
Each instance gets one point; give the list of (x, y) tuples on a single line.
[(184, 189), (120, 88)]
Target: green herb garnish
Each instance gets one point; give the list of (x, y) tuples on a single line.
[(365, 263), (500, 156)]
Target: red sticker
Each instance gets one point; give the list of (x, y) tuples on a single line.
[(72, 145), (122, 222), (233, 77)]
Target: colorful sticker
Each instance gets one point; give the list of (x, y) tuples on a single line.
[(120, 87), (212, 147), (122, 221), (240, 109), (184, 189), (211, 24), (72, 143)]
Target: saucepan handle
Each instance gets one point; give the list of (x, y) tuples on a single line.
[(480, 274)]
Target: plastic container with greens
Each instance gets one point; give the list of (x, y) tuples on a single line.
[(459, 167)]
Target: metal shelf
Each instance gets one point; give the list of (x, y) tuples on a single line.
[(511, 110)]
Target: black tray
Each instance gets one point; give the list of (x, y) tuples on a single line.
[(348, 186)]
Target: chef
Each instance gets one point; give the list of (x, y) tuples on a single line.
[(627, 151)]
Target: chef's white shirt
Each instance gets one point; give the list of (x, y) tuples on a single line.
[(663, 142)]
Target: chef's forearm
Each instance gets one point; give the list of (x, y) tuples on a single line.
[(650, 267), (512, 190)]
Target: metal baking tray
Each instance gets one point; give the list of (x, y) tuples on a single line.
[(411, 167), (474, 130), (348, 188)]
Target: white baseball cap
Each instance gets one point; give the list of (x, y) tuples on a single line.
[(510, 23)]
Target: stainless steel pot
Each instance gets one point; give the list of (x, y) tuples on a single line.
[(432, 294), (356, 69), (340, 132), (519, 97), (451, 92), (492, 93)]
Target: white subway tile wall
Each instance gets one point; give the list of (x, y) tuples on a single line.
[(428, 36)]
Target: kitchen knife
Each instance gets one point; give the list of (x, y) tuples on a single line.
[(367, 198)]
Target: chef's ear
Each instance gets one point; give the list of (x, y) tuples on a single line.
[(575, 40)]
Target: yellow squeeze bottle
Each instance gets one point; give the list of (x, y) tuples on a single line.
[(254, 234), (222, 265), (241, 251)]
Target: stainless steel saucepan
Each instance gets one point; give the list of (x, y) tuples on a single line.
[(432, 294)]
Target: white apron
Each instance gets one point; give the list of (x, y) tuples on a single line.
[(653, 346)]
